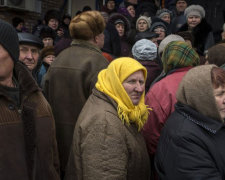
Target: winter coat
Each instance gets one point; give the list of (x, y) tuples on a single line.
[(203, 36), (27, 136), (68, 84), (111, 40), (105, 148), (196, 141), (161, 98), (153, 69)]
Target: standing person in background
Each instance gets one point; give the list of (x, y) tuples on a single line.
[(122, 26), (52, 20), (18, 24), (111, 38), (30, 47), (27, 128), (47, 57), (75, 71), (107, 142), (47, 36), (201, 30), (178, 15), (109, 7)]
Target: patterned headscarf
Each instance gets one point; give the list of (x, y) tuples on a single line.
[(178, 54), (110, 83)]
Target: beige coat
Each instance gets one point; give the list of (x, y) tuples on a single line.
[(103, 147)]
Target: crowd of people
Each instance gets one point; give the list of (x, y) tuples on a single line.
[(134, 90)]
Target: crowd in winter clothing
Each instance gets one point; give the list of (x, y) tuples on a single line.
[(133, 90)]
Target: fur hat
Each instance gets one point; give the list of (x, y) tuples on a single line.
[(47, 32), (161, 12), (87, 25), (147, 19), (144, 50), (196, 10), (16, 21), (48, 50), (9, 39), (52, 14), (167, 40), (116, 17)]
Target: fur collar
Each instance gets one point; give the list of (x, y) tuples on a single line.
[(25, 79), (200, 33)]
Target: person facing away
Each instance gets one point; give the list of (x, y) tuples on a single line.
[(107, 142), (178, 57), (27, 136), (71, 77), (191, 143)]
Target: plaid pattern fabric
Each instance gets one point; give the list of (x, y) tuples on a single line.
[(178, 54)]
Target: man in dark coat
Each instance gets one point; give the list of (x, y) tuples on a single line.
[(27, 128), (71, 77)]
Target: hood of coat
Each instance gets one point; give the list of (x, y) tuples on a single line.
[(196, 90)]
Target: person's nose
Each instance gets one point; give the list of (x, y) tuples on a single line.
[(139, 87), (29, 55)]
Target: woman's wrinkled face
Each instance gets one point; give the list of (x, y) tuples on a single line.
[(193, 21), (134, 85), (219, 94), (142, 25), (131, 10), (120, 29)]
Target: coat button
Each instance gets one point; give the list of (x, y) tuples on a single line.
[(11, 107)]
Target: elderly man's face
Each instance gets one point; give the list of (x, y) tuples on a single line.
[(6, 64), (29, 55)]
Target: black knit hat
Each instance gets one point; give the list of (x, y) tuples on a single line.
[(9, 39)]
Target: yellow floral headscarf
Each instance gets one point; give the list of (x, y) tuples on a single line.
[(110, 83)]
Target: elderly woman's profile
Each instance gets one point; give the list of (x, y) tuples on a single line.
[(107, 142)]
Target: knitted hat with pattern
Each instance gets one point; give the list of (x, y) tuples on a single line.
[(9, 39), (178, 54)]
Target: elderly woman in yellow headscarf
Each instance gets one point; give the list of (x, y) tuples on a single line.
[(107, 142)]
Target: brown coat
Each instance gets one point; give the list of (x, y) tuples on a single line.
[(27, 133), (68, 84), (103, 147)]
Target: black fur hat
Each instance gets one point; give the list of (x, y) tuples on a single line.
[(52, 14)]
